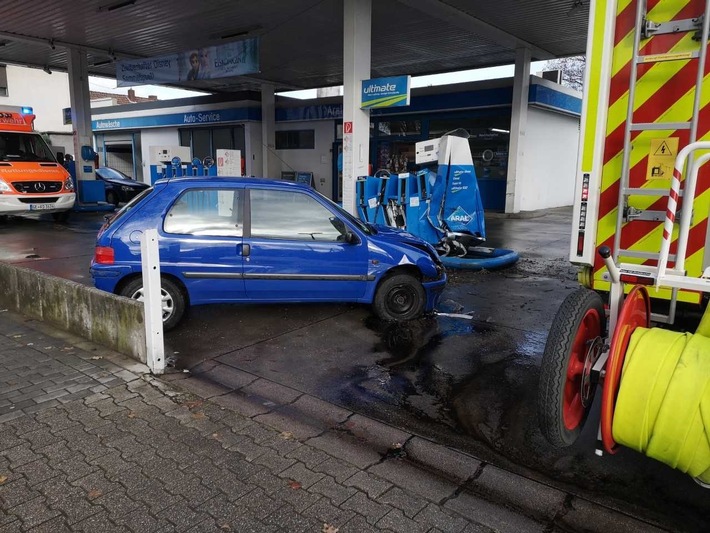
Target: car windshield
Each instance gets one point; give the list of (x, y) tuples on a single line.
[(24, 147), (353, 220), (111, 173)]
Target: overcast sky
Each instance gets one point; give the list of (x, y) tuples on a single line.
[(168, 93)]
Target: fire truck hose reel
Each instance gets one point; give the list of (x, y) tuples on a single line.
[(663, 405)]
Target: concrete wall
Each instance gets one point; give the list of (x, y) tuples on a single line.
[(111, 321), (319, 160), (551, 144)]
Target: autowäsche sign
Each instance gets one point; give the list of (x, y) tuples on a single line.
[(223, 61), (386, 92)]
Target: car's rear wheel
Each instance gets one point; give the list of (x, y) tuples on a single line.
[(112, 198), (172, 299), (399, 297)]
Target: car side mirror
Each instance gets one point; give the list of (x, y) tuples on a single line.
[(351, 238), (345, 234)]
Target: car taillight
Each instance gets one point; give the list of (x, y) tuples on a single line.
[(103, 255)]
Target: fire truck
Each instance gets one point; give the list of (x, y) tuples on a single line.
[(31, 179), (641, 240)]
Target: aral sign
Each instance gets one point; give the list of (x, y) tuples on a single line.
[(386, 92)]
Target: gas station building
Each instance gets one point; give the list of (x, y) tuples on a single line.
[(309, 136)]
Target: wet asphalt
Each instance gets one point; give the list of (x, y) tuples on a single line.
[(471, 385)]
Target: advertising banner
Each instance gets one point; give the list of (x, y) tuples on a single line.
[(223, 61), (385, 92)]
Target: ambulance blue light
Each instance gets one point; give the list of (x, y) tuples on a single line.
[(26, 110)]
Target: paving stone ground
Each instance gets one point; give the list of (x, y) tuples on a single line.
[(90, 442)]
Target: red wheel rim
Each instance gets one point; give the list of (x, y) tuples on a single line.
[(635, 313), (573, 408)]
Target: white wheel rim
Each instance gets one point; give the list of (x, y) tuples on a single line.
[(166, 302)]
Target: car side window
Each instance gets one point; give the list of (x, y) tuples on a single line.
[(290, 215), (207, 212)]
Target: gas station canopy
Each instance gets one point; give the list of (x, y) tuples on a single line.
[(301, 43)]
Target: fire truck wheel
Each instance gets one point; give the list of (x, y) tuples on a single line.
[(565, 393)]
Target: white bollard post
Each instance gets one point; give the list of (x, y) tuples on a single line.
[(152, 301)]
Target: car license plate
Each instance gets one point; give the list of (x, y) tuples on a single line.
[(41, 207)]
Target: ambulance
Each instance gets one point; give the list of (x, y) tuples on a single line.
[(31, 179)]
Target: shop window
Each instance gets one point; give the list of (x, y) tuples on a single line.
[(185, 138), (399, 128), (201, 143), (296, 140), (489, 138), (222, 139), (395, 156), (206, 141)]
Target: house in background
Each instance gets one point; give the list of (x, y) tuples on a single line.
[(19, 87)]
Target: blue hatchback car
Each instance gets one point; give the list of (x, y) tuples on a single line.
[(237, 240)]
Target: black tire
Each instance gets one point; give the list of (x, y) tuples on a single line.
[(561, 411), (399, 297), (61, 218), (112, 198), (174, 302)]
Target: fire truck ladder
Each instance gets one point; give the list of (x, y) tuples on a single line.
[(646, 29)]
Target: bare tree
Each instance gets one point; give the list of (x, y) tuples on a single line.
[(572, 70)]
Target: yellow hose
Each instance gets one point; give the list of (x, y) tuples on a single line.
[(663, 405)]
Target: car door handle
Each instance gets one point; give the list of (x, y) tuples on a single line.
[(244, 250)]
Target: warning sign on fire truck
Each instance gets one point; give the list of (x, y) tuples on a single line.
[(661, 158)]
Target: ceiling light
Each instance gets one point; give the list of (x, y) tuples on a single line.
[(102, 63), (577, 7), (47, 69), (498, 130), (116, 5)]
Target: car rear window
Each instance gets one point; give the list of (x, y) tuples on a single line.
[(111, 219)]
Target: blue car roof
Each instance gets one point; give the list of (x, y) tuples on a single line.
[(215, 181)]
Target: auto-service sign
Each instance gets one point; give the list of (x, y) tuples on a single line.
[(386, 92)]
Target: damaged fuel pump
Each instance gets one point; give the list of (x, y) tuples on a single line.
[(440, 203)]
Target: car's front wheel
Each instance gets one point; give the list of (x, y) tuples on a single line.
[(399, 297), (172, 299), (112, 198)]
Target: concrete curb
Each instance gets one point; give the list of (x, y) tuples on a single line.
[(460, 482)]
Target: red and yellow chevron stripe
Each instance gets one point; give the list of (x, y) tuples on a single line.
[(664, 93)]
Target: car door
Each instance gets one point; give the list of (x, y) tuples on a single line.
[(295, 252), (202, 243)]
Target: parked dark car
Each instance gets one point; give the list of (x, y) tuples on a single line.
[(228, 240), (119, 186)]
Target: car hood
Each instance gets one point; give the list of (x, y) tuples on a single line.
[(123, 181), (386, 234)]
